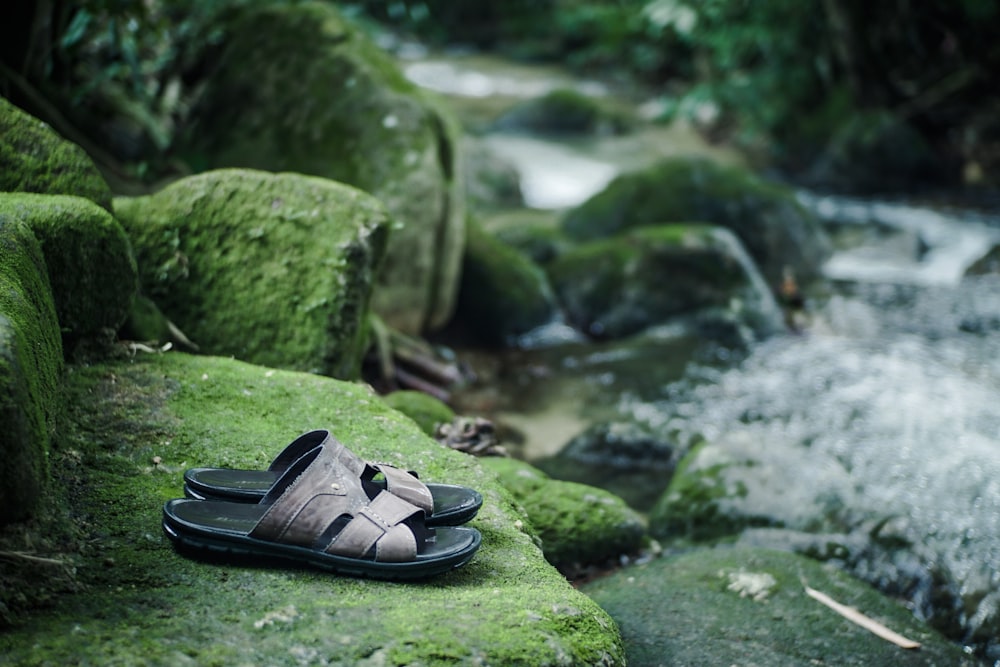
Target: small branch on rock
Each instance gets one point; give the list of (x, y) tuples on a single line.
[(867, 623), (20, 555)]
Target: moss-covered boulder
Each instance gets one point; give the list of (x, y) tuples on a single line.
[(297, 87), (30, 367), (778, 232), (534, 232), (34, 158), (566, 111), (503, 293), (134, 426), (427, 411), (579, 525), (645, 276), (272, 268), (878, 151), (90, 263), (750, 607)]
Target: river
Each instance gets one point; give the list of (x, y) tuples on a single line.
[(885, 402)]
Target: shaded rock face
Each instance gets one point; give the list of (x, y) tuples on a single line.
[(34, 158), (645, 276), (318, 97), (90, 264), (777, 231), (503, 293), (749, 606), (878, 152), (30, 366), (272, 268), (566, 112)]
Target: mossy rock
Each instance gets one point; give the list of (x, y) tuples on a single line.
[(427, 411), (749, 607), (135, 425), (276, 269), (34, 158), (90, 263), (317, 96), (30, 367), (878, 151), (567, 112), (503, 294), (579, 525), (776, 230), (536, 233), (646, 276)]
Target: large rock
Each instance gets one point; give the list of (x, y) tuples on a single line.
[(34, 158), (778, 232), (272, 268), (90, 263), (578, 525), (299, 88), (30, 367), (131, 430), (503, 293), (645, 276), (750, 607)]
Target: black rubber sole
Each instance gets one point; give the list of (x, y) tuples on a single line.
[(247, 550)]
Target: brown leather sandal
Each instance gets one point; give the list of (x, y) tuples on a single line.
[(320, 513), (445, 504)]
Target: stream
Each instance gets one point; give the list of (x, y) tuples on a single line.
[(883, 410)]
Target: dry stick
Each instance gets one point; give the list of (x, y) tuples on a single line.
[(856, 616)]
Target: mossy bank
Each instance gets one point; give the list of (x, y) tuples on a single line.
[(135, 424)]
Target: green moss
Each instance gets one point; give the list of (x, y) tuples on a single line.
[(578, 525), (690, 507), (272, 268), (318, 97), (749, 607), (33, 158), (503, 293), (776, 230), (644, 276), (30, 366), (90, 263), (427, 411), (136, 425)]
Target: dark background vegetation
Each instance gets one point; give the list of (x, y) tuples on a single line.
[(118, 76)]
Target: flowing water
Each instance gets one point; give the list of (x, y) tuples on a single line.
[(888, 401)]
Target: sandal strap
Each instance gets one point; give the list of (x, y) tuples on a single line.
[(398, 482), (309, 499), (299, 447)]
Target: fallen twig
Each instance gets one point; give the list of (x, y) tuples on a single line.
[(856, 616), (20, 555)]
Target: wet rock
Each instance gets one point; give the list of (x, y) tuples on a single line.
[(649, 275), (34, 158), (272, 268), (300, 88), (535, 233), (878, 151), (748, 606), (777, 231), (566, 112), (578, 525), (626, 458), (31, 364), (90, 264), (491, 181), (503, 293)]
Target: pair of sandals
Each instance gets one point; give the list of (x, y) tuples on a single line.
[(321, 505)]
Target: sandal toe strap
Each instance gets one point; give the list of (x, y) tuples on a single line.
[(379, 524), (406, 486)]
